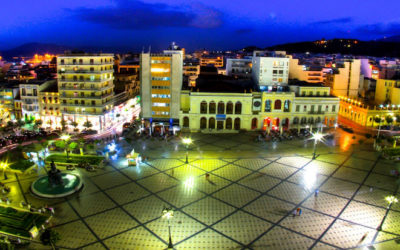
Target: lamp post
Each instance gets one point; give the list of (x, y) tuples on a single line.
[(317, 137), (187, 141), (168, 213), (390, 199), (4, 165)]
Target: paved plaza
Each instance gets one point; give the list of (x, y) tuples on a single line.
[(246, 202)]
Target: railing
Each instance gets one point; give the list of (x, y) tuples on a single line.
[(79, 71), (316, 112), (77, 63), (85, 89), (84, 80), (88, 97)]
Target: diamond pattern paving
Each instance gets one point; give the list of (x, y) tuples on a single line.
[(234, 194)]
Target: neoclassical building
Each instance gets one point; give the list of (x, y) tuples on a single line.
[(223, 109)]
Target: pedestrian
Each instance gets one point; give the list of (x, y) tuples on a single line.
[(294, 213), (207, 176), (371, 189), (316, 193), (298, 211)]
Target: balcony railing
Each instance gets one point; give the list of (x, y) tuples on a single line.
[(87, 97), (87, 88), (77, 63), (316, 112), (84, 71), (85, 80)]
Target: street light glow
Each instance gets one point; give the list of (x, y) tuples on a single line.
[(168, 213), (187, 141), (65, 137), (391, 199), (318, 136)]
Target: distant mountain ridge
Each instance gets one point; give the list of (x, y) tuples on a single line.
[(30, 49), (390, 47)]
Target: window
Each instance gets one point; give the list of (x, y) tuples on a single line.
[(237, 124), (185, 122), (91, 61), (211, 123), (312, 108), (278, 104), (303, 93), (274, 71), (334, 108), (327, 108), (34, 92), (203, 107), (82, 102), (62, 61), (74, 61), (228, 123), (286, 106), (221, 108), (305, 108), (91, 69), (229, 108), (93, 103), (203, 123), (80, 61), (76, 102), (64, 101), (212, 108), (297, 108), (254, 123), (75, 94), (23, 91), (238, 108), (317, 93), (82, 94)]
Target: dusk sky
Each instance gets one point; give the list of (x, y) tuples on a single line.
[(212, 24)]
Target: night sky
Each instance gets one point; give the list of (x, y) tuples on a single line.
[(212, 24)]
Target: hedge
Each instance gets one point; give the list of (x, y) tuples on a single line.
[(72, 158), (21, 165)]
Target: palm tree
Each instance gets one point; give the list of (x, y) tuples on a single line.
[(63, 124), (75, 125)]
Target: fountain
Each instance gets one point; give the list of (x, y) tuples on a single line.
[(56, 184)]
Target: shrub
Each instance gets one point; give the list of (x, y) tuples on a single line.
[(368, 136), (91, 159)]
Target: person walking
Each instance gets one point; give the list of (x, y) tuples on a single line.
[(294, 213), (316, 192), (298, 211)]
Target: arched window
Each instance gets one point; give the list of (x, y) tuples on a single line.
[(238, 108), (296, 120), (203, 107), (286, 106), (212, 108), (267, 106), (318, 120), (254, 122), (211, 123), (221, 108), (278, 104), (229, 108), (237, 123), (310, 120), (185, 122), (203, 123), (303, 121), (228, 123)]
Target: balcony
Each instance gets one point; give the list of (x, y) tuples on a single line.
[(85, 80), (84, 71), (77, 63), (86, 88), (87, 97)]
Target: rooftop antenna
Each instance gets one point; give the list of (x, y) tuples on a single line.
[(142, 49), (149, 49)]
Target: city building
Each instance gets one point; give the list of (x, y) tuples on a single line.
[(270, 69), (239, 68), (308, 73), (85, 84), (29, 93), (49, 106), (221, 104), (8, 93), (160, 86), (388, 91), (345, 77), (212, 60), (191, 70), (368, 116)]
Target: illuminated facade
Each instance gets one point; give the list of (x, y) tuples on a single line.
[(270, 68), (29, 93), (216, 61), (387, 91), (226, 112), (85, 84), (161, 83), (49, 107), (364, 115), (8, 94), (240, 68), (345, 78), (306, 73)]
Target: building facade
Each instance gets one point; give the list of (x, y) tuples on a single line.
[(216, 61), (49, 107), (228, 112), (160, 86), (29, 94), (240, 68), (270, 68), (387, 91), (345, 77), (85, 83)]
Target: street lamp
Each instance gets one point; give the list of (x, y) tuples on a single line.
[(168, 213), (317, 137), (390, 199), (4, 165), (187, 141)]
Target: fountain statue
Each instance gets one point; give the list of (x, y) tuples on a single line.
[(54, 175)]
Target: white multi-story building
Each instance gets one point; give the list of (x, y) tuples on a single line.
[(270, 69), (240, 68)]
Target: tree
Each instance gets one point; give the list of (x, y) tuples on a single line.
[(20, 123), (377, 119), (74, 124), (38, 123), (87, 124), (389, 119), (60, 144), (33, 147), (63, 124)]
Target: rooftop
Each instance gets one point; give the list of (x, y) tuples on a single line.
[(223, 84), (51, 88)]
